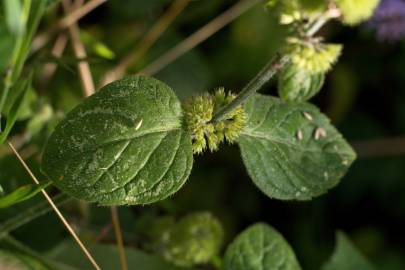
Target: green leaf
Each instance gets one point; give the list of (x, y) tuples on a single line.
[(14, 16), (260, 247), (33, 10), (291, 150), (22, 194), (30, 213), (18, 261), (6, 46), (108, 258), (296, 84), (12, 115), (97, 47), (346, 256), (123, 145)]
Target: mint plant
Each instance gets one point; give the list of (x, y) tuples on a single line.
[(134, 142), (131, 143)]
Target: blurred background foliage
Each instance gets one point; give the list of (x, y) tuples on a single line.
[(364, 96)]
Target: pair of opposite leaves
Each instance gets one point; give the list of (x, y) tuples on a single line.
[(126, 145)]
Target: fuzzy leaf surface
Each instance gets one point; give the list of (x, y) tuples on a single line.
[(291, 150), (123, 145), (296, 84), (260, 247)]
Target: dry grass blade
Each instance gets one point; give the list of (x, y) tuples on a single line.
[(55, 208), (71, 18), (118, 236), (201, 35), (150, 38), (80, 52), (57, 51)]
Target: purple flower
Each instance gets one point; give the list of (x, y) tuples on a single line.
[(389, 20)]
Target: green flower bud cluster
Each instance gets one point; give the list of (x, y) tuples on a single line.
[(290, 11), (199, 112), (314, 57), (356, 11), (195, 239)]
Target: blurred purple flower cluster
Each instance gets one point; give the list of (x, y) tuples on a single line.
[(389, 20)]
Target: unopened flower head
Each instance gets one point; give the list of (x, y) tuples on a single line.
[(356, 11), (199, 112), (315, 58), (291, 11)]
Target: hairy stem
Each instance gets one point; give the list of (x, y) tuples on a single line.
[(253, 86), (272, 68)]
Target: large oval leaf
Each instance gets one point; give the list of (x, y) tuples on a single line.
[(260, 247), (291, 151), (123, 145)]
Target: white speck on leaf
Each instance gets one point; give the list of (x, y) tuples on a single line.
[(308, 116), (138, 124), (300, 136), (345, 162), (319, 133)]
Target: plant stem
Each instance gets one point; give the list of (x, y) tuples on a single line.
[(331, 13), (253, 86), (118, 236), (147, 42), (271, 68), (56, 209), (42, 39), (80, 53)]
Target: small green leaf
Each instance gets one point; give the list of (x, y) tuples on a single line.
[(123, 145), (260, 247), (346, 256), (14, 16), (96, 46), (22, 194), (295, 84), (291, 150), (14, 111)]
